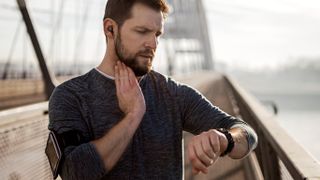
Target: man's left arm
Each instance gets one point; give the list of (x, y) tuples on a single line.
[(210, 142)]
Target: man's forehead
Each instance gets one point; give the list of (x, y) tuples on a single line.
[(142, 15)]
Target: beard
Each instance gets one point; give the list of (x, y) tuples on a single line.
[(139, 67)]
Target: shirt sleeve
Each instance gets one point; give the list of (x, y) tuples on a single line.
[(65, 114), (199, 115)]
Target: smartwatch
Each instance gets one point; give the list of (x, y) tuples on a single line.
[(230, 141)]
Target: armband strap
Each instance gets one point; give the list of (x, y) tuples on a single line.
[(71, 138)]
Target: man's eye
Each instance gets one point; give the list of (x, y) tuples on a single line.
[(141, 31)]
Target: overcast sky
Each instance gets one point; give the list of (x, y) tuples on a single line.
[(256, 33)]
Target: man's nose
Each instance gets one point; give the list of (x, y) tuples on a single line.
[(152, 42)]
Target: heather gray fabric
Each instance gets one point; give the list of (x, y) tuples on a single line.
[(88, 104)]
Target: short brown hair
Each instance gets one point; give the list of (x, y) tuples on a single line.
[(120, 10)]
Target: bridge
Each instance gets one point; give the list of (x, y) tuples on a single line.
[(24, 106)]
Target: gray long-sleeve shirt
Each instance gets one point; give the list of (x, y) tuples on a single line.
[(88, 104)]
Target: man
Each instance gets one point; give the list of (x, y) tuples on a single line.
[(123, 120)]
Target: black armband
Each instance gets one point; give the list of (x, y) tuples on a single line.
[(56, 144)]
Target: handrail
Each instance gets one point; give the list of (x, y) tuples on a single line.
[(274, 142), (15, 115)]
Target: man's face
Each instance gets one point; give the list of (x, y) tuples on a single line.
[(137, 39)]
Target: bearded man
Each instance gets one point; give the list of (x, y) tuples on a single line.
[(122, 120)]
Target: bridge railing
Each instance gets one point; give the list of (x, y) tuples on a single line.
[(278, 154), (23, 135)]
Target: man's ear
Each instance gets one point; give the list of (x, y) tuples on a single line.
[(109, 27)]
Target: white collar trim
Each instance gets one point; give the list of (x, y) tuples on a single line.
[(104, 74)]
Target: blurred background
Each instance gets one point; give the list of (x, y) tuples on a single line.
[(270, 47)]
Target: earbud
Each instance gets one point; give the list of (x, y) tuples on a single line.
[(110, 29)]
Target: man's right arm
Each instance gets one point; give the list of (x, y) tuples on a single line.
[(93, 159), (131, 101)]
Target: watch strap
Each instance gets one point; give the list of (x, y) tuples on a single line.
[(230, 141)]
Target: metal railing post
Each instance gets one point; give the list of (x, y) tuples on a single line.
[(48, 79)]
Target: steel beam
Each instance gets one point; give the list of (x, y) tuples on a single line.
[(48, 79)]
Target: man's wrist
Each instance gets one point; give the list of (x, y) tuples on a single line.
[(240, 137), (135, 116)]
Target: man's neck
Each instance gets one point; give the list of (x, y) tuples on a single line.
[(107, 67)]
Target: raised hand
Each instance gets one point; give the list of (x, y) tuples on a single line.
[(130, 97)]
